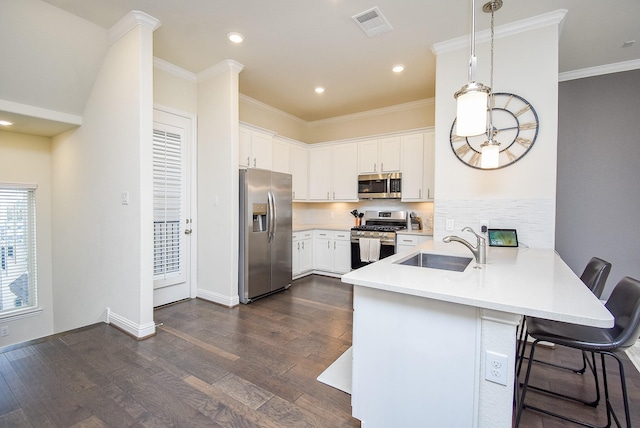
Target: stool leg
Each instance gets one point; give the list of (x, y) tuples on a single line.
[(525, 385)]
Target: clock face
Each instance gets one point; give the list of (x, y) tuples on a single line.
[(515, 127)]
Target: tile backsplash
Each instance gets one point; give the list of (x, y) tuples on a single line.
[(339, 213), (534, 219)]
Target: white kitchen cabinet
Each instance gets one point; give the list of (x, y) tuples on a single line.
[(281, 156), (333, 173), (300, 172), (255, 149), (320, 174), (344, 175), (417, 167), (331, 251), (378, 156), (406, 242), (302, 253)]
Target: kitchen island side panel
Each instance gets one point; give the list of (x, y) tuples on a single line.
[(415, 360)]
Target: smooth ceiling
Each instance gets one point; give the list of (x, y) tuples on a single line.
[(292, 46)]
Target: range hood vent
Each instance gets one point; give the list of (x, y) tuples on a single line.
[(372, 22)]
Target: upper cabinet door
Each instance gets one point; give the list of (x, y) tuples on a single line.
[(379, 156), (254, 149), (244, 149), (261, 148), (413, 168), (300, 172), (281, 156), (368, 157), (320, 174), (389, 154), (345, 172)]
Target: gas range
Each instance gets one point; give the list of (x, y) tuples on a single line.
[(380, 225)]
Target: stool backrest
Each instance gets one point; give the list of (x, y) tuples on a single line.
[(624, 305), (595, 275)]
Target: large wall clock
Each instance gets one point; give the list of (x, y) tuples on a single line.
[(515, 127)]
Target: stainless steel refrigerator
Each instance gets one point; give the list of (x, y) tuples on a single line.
[(265, 233)]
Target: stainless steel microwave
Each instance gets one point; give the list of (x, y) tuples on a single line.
[(380, 186)]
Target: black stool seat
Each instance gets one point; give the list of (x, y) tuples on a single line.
[(574, 335)]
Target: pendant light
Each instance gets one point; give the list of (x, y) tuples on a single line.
[(471, 99), (490, 149)]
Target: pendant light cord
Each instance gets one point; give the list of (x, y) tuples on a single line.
[(491, 97)]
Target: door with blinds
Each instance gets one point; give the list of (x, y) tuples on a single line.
[(172, 224)]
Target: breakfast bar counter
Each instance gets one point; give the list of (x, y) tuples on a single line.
[(425, 340)]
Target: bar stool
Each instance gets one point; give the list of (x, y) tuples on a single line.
[(594, 276), (624, 304)]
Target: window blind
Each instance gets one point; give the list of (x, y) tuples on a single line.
[(167, 203), (18, 289)]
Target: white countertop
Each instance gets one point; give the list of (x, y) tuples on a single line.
[(421, 232), (301, 227), (531, 282)]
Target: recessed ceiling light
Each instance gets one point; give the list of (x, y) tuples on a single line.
[(319, 90), (398, 68), (5, 123), (235, 37)]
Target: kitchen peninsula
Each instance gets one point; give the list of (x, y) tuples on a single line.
[(421, 336)]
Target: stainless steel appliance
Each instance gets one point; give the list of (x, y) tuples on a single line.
[(265, 233), (381, 225), (380, 186)]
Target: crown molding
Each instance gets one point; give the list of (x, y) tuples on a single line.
[(163, 65), (266, 107), (375, 112), (40, 113), (551, 18), (221, 67), (618, 67), (129, 22)]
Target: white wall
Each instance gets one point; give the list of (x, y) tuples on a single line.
[(172, 90), (27, 159), (218, 199), (103, 250), (521, 195)]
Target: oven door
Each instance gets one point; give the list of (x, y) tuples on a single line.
[(386, 250)]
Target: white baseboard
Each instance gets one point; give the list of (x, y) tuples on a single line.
[(221, 299), (139, 331)]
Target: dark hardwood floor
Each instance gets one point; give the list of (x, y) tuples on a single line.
[(251, 366)]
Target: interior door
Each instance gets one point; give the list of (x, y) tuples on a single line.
[(172, 223)]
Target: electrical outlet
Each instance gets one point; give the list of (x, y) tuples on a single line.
[(495, 369), (449, 224), (4, 330), (484, 226)]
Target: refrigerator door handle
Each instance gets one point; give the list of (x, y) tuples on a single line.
[(274, 216), (271, 217)]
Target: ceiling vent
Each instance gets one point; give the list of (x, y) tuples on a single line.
[(372, 22)]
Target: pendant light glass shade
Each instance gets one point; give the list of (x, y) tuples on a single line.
[(490, 155), (471, 109)]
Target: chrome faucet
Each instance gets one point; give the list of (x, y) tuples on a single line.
[(479, 251)]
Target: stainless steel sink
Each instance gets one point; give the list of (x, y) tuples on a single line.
[(437, 261)]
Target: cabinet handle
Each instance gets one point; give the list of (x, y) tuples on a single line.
[(303, 245), (374, 167), (327, 195), (381, 166), (428, 193), (254, 162), (294, 194), (334, 195), (298, 246), (248, 161), (334, 245), (419, 193), (329, 244)]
